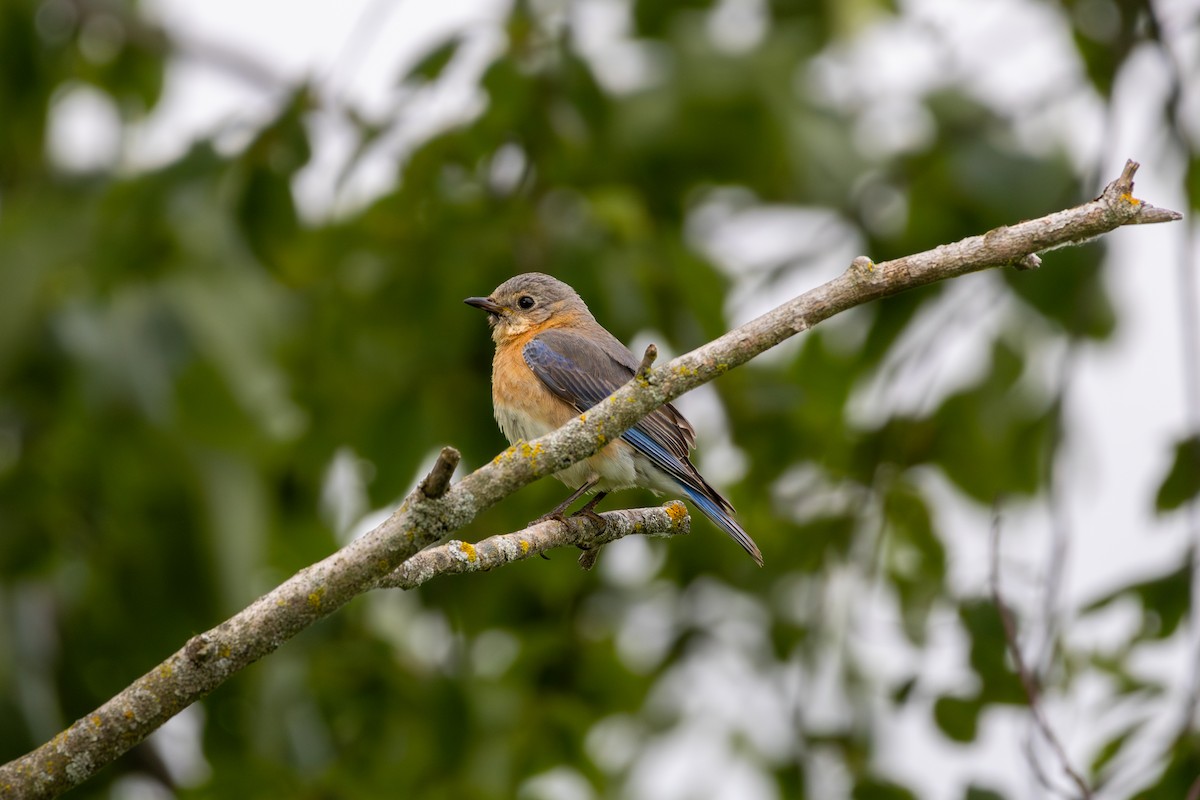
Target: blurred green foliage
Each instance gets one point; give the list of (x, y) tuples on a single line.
[(183, 358)]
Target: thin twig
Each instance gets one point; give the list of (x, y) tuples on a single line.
[(1028, 681), (438, 480), (643, 370), (1060, 524)]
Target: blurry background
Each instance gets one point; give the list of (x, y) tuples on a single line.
[(234, 242)]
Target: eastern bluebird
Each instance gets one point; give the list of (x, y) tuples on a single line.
[(554, 361)]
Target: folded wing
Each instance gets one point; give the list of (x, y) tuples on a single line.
[(583, 370)]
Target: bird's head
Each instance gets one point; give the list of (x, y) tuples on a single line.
[(531, 301)]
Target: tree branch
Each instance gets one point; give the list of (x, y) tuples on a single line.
[(456, 557), (207, 660)]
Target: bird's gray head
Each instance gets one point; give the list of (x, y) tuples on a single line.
[(530, 302)]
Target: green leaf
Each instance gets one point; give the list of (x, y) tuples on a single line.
[(265, 208), (1113, 747), (1165, 600), (904, 691), (1104, 35), (991, 438), (989, 652), (957, 717), (1178, 777), (431, 65), (878, 789), (653, 18), (1192, 181), (915, 559), (1182, 482), (975, 792)]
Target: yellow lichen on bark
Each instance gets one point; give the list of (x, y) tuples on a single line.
[(468, 550)]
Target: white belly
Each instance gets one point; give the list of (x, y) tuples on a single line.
[(519, 427), (616, 464)]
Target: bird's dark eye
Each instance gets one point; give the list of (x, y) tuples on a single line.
[(526, 302)]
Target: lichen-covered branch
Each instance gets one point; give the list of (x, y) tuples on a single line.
[(582, 531), (425, 518)]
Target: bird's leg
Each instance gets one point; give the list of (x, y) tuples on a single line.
[(557, 512), (587, 559), (589, 510)]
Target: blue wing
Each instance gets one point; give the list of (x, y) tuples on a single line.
[(583, 370)]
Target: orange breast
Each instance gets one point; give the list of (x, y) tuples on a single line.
[(524, 407)]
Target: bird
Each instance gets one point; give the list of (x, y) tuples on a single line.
[(554, 361)]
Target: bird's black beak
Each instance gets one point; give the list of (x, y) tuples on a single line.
[(486, 303)]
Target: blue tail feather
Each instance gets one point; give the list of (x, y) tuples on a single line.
[(721, 518), (692, 484)]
